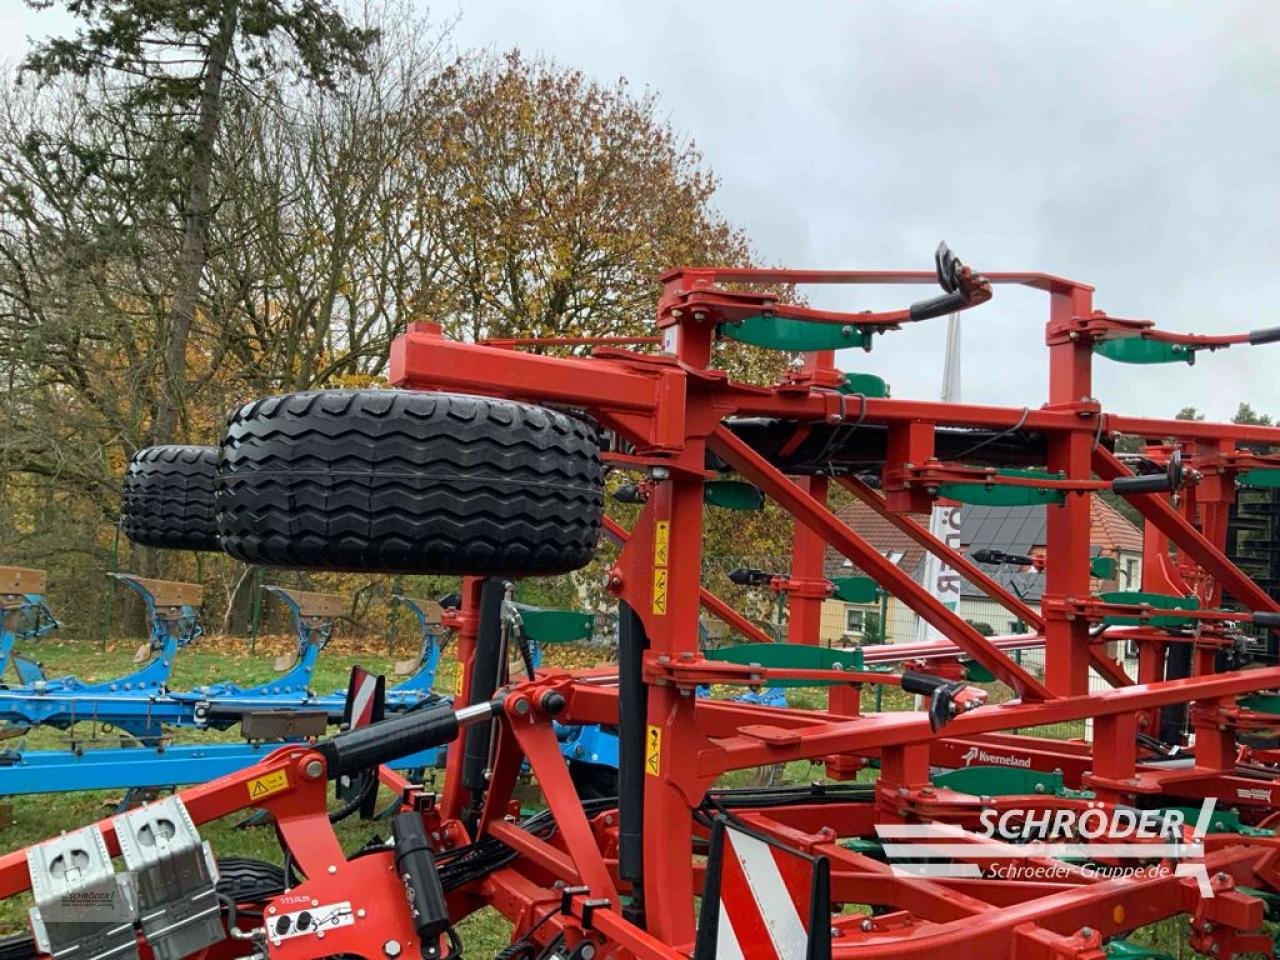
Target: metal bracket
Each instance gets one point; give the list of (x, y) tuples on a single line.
[(83, 910), (175, 877)]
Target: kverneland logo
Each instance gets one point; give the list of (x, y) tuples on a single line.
[(981, 757)]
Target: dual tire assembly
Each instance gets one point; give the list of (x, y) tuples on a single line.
[(380, 481)]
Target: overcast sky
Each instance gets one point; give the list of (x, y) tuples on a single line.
[(1135, 146)]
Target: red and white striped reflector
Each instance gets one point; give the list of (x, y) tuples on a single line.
[(763, 900), (364, 699)]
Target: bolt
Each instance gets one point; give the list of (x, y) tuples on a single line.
[(319, 934), (521, 707), (659, 473), (392, 949), (271, 910), (587, 951), (313, 770), (868, 926), (361, 913), (1086, 932), (835, 931), (332, 868), (846, 331), (314, 902)]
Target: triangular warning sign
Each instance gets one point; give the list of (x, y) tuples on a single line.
[(259, 789)]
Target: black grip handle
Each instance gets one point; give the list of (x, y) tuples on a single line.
[(924, 684), (1267, 335), (1148, 483), (1265, 618), (939, 306), (416, 868), (388, 740), (1168, 482)]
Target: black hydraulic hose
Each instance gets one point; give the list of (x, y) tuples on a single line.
[(486, 667), (632, 713)]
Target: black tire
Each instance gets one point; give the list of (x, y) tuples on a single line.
[(409, 482), (20, 946), (167, 499), (593, 781), (247, 880)]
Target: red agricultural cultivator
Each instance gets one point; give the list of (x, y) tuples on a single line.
[(489, 461)]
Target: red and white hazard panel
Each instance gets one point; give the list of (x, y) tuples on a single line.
[(364, 698), (763, 900)]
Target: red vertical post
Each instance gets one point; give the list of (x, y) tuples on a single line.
[(808, 550), (1215, 741), (671, 620), (454, 796), (1067, 526), (808, 573), (1115, 747)]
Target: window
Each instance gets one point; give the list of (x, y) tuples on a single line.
[(1131, 574), (853, 620)]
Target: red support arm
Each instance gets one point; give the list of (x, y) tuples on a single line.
[(822, 521)]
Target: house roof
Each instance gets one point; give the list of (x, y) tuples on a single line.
[(882, 535), (1010, 529), (1111, 530)]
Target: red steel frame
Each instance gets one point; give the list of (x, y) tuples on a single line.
[(670, 408)]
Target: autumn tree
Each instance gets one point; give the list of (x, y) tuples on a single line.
[(492, 194), (557, 200), (180, 60)]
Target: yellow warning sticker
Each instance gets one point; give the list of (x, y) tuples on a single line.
[(457, 682), (653, 751), (659, 590), (662, 543), (265, 786)]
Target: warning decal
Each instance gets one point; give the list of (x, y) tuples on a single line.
[(659, 590), (653, 750), (661, 557), (265, 786), (662, 543)]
